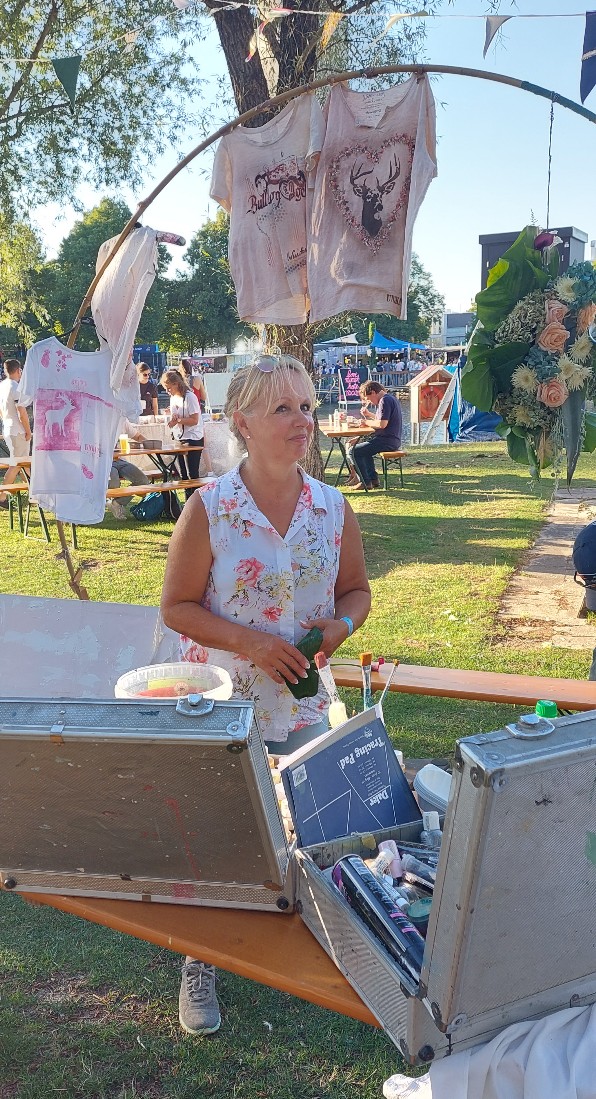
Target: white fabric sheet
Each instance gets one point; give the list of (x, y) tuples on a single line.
[(553, 1058)]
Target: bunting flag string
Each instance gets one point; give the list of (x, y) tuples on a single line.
[(67, 69)]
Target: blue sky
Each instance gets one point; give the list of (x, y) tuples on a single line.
[(492, 146)]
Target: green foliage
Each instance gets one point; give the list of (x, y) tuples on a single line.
[(517, 273), (21, 260), (572, 416), (488, 370), (201, 307), (128, 104), (425, 305)]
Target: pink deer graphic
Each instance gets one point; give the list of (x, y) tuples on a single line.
[(55, 417)]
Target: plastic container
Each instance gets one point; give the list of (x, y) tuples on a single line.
[(174, 680), (432, 786)]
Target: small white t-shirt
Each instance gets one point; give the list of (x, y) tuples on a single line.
[(377, 161), (11, 423), (261, 177), (75, 423), (188, 405)]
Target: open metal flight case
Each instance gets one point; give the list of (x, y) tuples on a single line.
[(137, 799)]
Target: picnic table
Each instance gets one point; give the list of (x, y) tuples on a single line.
[(339, 436)]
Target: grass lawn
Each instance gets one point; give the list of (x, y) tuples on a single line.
[(85, 1012)]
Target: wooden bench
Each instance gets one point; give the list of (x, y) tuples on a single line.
[(15, 492), (512, 690), (389, 457), (161, 486)]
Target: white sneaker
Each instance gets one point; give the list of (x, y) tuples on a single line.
[(118, 510), (407, 1087)]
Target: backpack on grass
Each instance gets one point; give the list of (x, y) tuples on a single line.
[(151, 507)]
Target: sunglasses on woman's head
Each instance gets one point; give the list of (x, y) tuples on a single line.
[(267, 363)]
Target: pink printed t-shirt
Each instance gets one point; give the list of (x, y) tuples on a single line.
[(261, 177), (377, 161)]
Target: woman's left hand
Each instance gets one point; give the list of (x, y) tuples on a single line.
[(334, 631)]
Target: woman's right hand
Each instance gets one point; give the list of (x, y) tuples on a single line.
[(279, 659)]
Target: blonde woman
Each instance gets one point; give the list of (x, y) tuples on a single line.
[(257, 558)]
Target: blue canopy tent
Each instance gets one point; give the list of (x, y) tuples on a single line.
[(385, 344)]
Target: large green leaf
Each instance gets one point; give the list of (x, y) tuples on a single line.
[(516, 445), (517, 273), (572, 414), (590, 436), (476, 381), (489, 370)]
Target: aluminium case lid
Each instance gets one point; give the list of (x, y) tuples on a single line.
[(138, 789), (512, 931)]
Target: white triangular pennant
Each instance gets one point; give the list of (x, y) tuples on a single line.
[(493, 24)]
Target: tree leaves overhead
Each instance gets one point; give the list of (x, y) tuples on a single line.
[(129, 106)]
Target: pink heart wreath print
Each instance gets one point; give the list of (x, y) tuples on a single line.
[(371, 186)]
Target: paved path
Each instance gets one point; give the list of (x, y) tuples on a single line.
[(542, 604)]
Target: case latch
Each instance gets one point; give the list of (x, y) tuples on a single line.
[(194, 705), (530, 727)]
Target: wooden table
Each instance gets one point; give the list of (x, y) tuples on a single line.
[(157, 455), (275, 949), (341, 436)]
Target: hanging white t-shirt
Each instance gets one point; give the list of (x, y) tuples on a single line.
[(75, 419), (377, 161), (117, 305), (261, 177)]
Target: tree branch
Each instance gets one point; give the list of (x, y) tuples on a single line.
[(44, 34)]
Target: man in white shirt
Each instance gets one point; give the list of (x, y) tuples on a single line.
[(17, 431)]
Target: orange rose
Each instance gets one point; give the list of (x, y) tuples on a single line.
[(585, 317), (553, 338), (553, 393), (555, 310)]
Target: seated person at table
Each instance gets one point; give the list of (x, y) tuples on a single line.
[(386, 419), (148, 391), (186, 422), (123, 470), (16, 429), (258, 558)]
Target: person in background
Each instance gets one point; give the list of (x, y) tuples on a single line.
[(16, 427), (148, 390), (387, 423), (186, 422), (195, 381), (124, 470), (258, 558)]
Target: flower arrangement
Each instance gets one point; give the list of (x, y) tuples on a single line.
[(532, 356)]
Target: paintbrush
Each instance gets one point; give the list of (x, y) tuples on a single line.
[(388, 683), (337, 710), (365, 664)]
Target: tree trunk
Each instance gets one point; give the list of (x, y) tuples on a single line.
[(297, 340)]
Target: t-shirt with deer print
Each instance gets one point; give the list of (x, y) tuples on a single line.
[(75, 419), (261, 177), (377, 161)]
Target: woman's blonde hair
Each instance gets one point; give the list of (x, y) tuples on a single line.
[(251, 384), (174, 377)]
